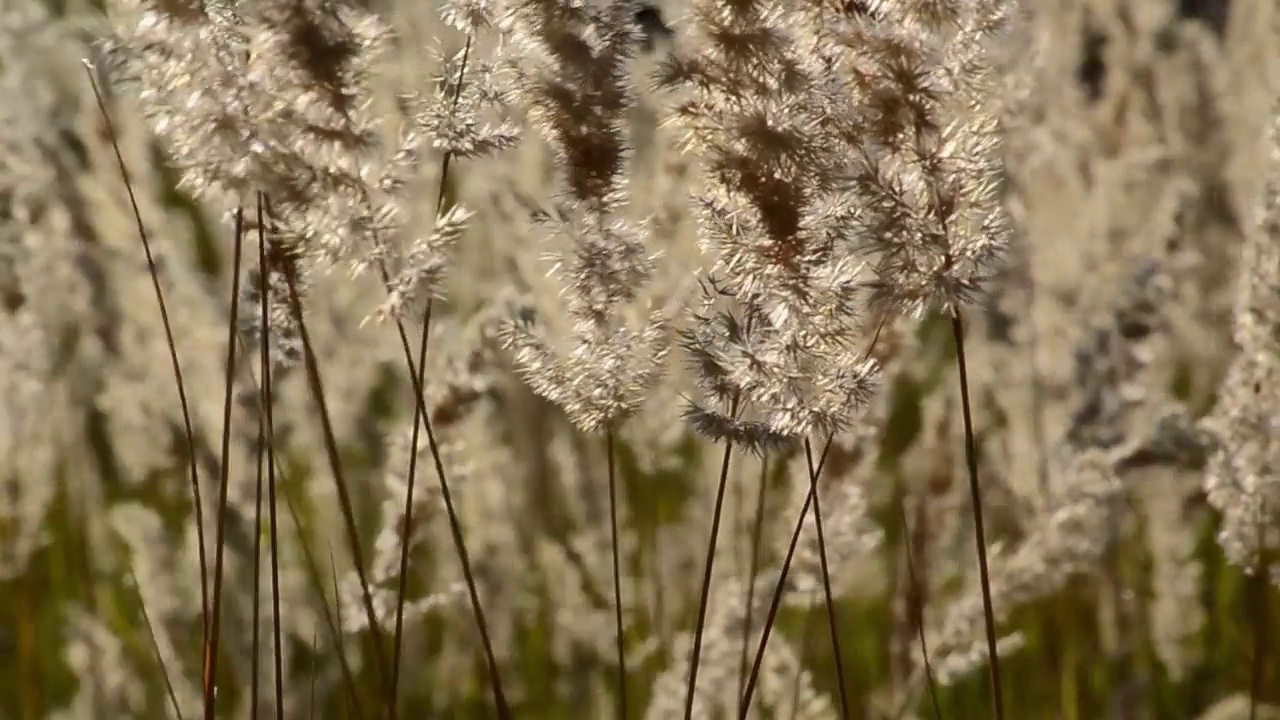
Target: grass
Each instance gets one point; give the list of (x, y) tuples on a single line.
[(1090, 649)]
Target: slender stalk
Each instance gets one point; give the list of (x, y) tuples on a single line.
[(617, 574), (421, 411), (153, 271), (979, 529), (268, 400), (316, 383), (455, 524), (332, 616), (155, 646), (776, 601), (209, 610), (224, 480), (757, 539), (406, 530), (705, 597), (255, 642), (337, 607), (832, 622), (455, 529), (917, 610)]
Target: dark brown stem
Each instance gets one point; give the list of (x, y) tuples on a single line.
[(421, 411), (312, 366), (832, 621), (776, 601), (757, 539), (173, 355), (705, 596), (455, 529), (979, 529), (406, 529), (268, 416), (617, 575), (255, 641), (219, 543), (332, 616)]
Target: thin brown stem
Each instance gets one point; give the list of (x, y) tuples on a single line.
[(832, 621), (255, 642), (406, 529), (155, 646), (916, 608), (455, 528), (316, 383), (332, 616), (268, 400), (979, 529), (153, 271), (617, 574), (705, 596), (274, 471), (337, 607), (210, 666), (757, 540), (776, 601), (421, 412)]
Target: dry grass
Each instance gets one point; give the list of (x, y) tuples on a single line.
[(731, 359)]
